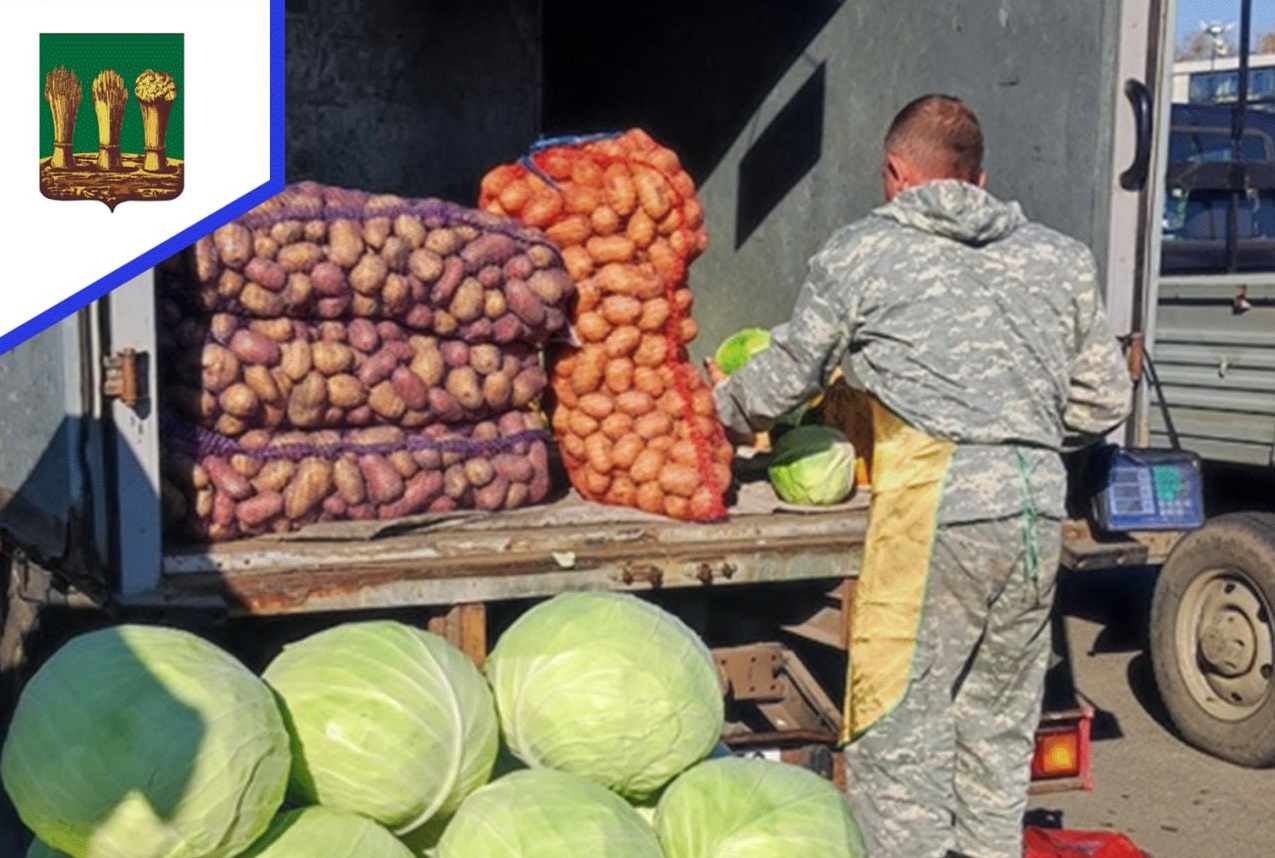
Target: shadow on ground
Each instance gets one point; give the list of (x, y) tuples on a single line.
[(1119, 600), (1142, 684)]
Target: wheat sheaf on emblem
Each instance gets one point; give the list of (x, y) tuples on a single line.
[(111, 175), (109, 98), (63, 91), (155, 93)]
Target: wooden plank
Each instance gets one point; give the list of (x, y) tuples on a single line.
[(465, 627), (472, 634)]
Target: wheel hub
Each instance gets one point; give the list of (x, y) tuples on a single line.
[(1228, 642), (1230, 631)]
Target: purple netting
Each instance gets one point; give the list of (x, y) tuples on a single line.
[(215, 488), (197, 442), (333, 204), (501, 282), (205, 358)]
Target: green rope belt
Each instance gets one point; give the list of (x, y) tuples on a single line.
[(1031, 539)]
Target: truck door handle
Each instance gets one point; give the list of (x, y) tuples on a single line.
[(1135, 178)]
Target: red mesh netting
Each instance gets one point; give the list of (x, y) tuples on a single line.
[(633, 416)]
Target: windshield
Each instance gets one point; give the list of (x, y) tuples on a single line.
[(1219, 212)]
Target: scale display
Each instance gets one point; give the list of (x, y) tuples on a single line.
[(1150, 490)]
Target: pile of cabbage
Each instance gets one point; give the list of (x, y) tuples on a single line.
[(594, 732)]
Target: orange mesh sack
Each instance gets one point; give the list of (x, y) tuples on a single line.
[(633, 416)]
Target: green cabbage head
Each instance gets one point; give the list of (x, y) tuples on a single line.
[(541, 813), (750, 808), (321, 832), (812, 466), (739, 347), (609, 687), (387, 721), (145, 742)]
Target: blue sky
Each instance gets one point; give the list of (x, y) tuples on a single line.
[(1192, 12)]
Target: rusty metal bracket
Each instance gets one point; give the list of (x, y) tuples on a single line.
[(648, 573), (751, 672), (786, 694), (1137, 354), (122, 378), (705, 573)]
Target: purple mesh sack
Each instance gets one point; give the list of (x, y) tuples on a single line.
[(319, 252), (232, 374), (217, 488)]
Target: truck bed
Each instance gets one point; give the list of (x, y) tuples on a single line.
[(570, 544)]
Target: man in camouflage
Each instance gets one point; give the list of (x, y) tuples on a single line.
[(982, 339)]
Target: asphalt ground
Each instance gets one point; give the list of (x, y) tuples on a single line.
[(1170, 799)]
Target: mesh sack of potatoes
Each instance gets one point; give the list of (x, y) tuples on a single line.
[(233, 374), (319, 252), (632, 415), (216, 488)]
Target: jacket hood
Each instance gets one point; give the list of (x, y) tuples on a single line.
[(954, 209)]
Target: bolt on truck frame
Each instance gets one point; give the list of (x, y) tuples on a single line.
[(778, 111)]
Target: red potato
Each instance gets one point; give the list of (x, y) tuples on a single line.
[(251, 347), (223, 512), (410, 388), (383, 483), (363, 335), (524, 303), (267, 273), (228, 482), (256, 511), (492, 496), (513, 467)]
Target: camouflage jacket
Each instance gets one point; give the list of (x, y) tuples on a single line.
[(972, 324)]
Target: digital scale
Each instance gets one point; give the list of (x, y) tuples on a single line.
[(1141, 489)]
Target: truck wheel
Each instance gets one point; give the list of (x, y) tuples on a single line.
[(1213, 638)]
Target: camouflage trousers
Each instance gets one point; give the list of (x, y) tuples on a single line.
[(949, 768)]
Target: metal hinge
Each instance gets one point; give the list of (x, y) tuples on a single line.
[(122, 377)]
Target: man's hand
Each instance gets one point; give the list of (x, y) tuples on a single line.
[(715, 374), (716, 377)]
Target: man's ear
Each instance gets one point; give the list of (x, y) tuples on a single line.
[(897, 175), (893, 169), (982, 178)]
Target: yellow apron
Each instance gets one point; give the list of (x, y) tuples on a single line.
[(908, 471)]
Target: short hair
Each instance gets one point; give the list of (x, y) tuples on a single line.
[(941, 135)]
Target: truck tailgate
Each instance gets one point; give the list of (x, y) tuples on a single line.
[(477, 557)]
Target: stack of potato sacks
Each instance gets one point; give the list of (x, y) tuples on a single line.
[(633, 416), (334, 355)]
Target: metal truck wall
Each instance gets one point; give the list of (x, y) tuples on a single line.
[(1215, 351), (779, 109), (41, 437), (415, 97)]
